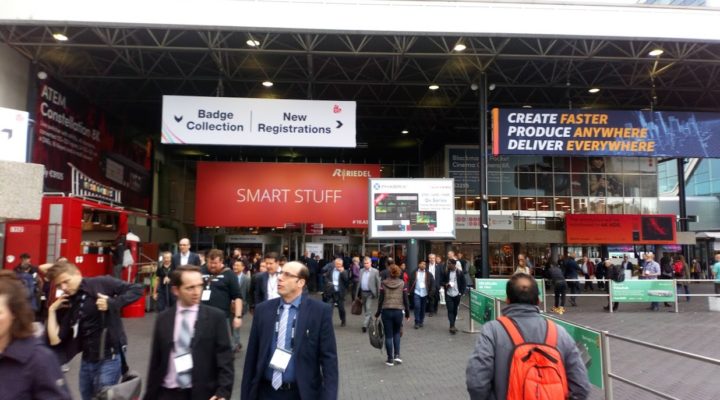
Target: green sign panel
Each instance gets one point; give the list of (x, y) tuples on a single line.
[(496, 287), (588, 344), (482, 307), (643, 291)]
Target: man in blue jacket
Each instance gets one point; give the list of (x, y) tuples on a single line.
[(291, 352)]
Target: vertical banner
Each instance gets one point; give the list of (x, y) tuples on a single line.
[(69, 130)]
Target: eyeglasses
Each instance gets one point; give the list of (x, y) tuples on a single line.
[(287, 275)]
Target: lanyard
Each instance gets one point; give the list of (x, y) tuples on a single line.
[(292, 330)]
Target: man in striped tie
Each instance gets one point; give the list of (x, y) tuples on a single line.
[(291, 352), (186, 362)]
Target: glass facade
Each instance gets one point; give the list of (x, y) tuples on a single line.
[(551, 186)]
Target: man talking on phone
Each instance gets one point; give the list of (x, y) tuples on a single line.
[(84, 307)]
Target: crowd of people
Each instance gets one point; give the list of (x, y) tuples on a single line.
[(203, 298)]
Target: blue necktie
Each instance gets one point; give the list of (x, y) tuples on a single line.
[(182, 346), (282, 330)]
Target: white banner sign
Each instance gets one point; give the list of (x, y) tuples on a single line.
[(314, 248), (258, 122), (501, 222), (13, 135), (412, 208)]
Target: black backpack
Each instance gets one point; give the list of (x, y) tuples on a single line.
[(376, 333)]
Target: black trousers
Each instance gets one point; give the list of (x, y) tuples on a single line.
[(340, 301), (267, 392), (560, 291), (175, 394)]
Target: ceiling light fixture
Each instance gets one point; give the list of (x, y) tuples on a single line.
[(404, 131), (434, 87), (253, 43), (656, 52), (267, 84), (459, 47), (527, 106), (60, 37), (593, 90)]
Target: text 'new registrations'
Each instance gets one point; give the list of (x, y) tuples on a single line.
[(258, 122), (605, 133)]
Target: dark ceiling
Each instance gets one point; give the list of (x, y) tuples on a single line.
[(127, 70)]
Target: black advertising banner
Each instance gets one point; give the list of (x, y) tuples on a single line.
[(69, 131), (606, 133)]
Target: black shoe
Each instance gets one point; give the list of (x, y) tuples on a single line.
[(421, 325), (342, 323), (364, 329), (416, 326), (667, 304), (606, 308)]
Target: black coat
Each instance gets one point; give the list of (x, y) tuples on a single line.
[(344, 281), (460, 276), (213, 369)]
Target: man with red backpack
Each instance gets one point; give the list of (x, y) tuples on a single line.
[(522, 355)]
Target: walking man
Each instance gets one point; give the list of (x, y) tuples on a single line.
[(368, 290), (337, 281), (454, 283), (291, 352), (488, 373), (190, 356), (651, 270), (421, 284), (435, 269)]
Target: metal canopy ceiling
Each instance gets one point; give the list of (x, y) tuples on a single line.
[(127, 70)]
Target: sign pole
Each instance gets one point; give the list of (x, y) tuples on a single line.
[(610, 291), (677, 308), (484, 227), (605, 348)]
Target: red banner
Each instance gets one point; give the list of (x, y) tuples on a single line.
[(274, 194), (620, 229)]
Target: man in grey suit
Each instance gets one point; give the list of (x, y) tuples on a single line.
[(367, 290)]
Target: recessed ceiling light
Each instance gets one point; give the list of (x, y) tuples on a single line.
[(492, 202), (593, 90), (60, 37), (504, 198), (477, 197), (253, 43), (545, 206), (529, 198), (434, 87), (656, 52), (527, 106), (531, 209), (559, 202), (404, 131), (459, 47), (267, 84)]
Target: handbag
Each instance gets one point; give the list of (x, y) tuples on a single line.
[(376, 333), (130, 385), (356, 308)]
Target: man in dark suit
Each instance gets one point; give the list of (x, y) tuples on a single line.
[(186, 362), (337, 280), (436, 270), (185, 256), (265, 283), (295, 332)]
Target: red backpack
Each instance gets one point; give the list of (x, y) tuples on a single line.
[(537, 371)]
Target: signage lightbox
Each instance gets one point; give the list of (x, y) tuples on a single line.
[(257, 122), (271, 194), (13, 135), (412, 208)]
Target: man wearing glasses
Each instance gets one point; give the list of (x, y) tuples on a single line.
[(291, 352)]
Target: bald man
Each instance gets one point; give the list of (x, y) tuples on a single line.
[(185, 256)]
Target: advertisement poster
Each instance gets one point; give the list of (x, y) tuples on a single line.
[(275, 194), (643, 291), (496, 288), (482, 307), (258, 122), (588, 343), (605, 133), (412, 208), (620, 228), (70, 131), (462, 163)]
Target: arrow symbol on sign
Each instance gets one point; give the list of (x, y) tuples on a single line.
[(339, 124), (178, 119), (8, 131)]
